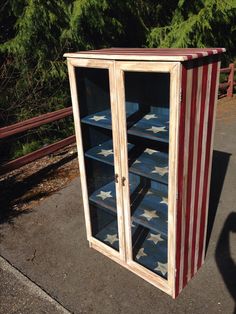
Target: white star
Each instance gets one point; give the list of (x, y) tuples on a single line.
[(160, 171), (104, 195), (111, 238), (161, 267), (150, 116), (149, 192), (150, 151), (149, 214), (156, 129), (98, 118), (106, 152), (137, 161), (164, 200), (155, 238), (141, 253)]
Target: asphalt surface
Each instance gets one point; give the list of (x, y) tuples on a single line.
[(20, 295), (49, 246)]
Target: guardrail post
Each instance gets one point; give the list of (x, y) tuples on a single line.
[(230, 89)]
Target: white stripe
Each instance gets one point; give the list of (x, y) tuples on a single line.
[(185, 170), (203, 156), (195, 153), (210, 160)]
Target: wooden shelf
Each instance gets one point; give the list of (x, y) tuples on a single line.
[(154, 128), (103, 118), (103, 152), (152, 253), (109, 235), (105, 197), (151, 212), (150, 164)]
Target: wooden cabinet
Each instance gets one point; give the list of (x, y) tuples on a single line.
[(144, 121)]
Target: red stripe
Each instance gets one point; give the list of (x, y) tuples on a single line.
[(189, 53), (180, 175), (158, 50), (207, 162), (190, 172), (199, 160)]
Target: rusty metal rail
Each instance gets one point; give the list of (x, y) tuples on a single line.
[(34, 122), (28, 125), (227, 88)]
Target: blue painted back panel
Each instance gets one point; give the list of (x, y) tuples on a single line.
[(153, 255)]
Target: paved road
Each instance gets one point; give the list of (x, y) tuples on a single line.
[(48, 245)]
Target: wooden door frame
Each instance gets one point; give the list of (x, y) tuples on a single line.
[(72, 63), (174, 68)]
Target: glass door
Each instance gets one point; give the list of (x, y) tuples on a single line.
[(98, 144), (145, 93)]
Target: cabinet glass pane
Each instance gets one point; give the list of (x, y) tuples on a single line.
[(147, 95), (96, 126)]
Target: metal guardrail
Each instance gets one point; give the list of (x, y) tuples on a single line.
[(228, 87), (35, 122), (28, 125)]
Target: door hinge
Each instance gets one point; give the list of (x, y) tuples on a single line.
[(180, 96)]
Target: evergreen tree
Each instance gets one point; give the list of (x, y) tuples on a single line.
[(204, 23), (36, 33)]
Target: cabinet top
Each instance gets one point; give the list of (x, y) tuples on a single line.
[(151, 54)]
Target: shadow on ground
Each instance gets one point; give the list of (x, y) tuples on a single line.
[(12, 190), (220, 162), (224, 260)]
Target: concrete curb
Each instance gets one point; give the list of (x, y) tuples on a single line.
[(34, 288)]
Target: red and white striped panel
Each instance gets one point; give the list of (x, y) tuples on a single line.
[(196, 127), (171, 54)]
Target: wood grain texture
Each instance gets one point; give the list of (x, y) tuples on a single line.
[(174, 70), (214, 103), (195, 168), (207, 165), (206, 82), (72, 63), (175, 103), (76, 115), (185, 174), (180, 177), (193, 94), (117, 159), (147, 275), (151, 54), (190, 154), (195, 175)]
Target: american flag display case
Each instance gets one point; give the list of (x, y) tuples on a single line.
[(144, 122)]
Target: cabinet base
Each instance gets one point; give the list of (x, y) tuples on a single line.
[(147, 275)]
